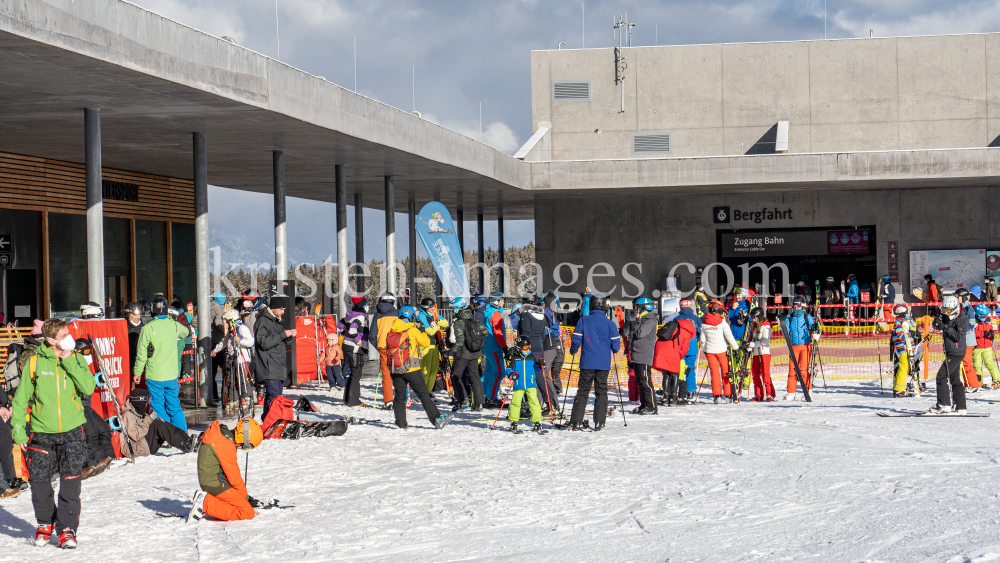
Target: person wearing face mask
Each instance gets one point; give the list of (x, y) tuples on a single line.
[(157, 354), (53, 380)]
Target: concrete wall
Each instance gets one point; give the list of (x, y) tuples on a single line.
[(658, 229), (838, 95)]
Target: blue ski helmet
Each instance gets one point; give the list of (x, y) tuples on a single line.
[(408, 312), (479, 300), (458, 303), (982, 311), (495, 298), (644, 303)]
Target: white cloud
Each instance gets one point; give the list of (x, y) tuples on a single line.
[(953, 19), (498, 135), (217, 21)]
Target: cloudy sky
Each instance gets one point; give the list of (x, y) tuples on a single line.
[(470, 52)]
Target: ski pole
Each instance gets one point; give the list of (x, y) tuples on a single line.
[(562, 413), (618, 386), (502, 403)]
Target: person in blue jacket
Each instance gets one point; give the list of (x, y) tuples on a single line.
[(739, 313), (494, 348), (802, 332), (525, 367), (596, 338), (691, 359)]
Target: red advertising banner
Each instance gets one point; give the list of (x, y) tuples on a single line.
[(847, 242), (306, 349), (110, 337)]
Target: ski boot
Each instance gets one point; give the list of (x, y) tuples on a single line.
[(939, 409), (598, 426), (197, 512), (643, 411), (537, 428), (67, 539), (43, 534), (717, 400), (970, 390), (463, 406), (442, 421), (514, 430), (901, 394)]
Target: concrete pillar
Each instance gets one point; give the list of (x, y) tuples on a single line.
[(460, 225), (482, 253), (280, 233), (412, 211), (202, 277), (95, 205), (342, 262), (390, 234), (359, 240), (500, 259)]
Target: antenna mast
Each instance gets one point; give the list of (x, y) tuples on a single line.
[(622, 28)]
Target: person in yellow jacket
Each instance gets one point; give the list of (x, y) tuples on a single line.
[(430, 357), (402, 341)]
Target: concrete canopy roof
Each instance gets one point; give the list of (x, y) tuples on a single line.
[(156, 81)]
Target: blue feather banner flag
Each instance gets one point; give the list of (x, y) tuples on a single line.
[(437, 231)]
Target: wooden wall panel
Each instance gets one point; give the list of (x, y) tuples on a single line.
[(40, 184)]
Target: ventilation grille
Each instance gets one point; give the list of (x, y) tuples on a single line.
[(651, 143), (576, 91)]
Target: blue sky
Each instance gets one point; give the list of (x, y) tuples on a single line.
[(470, 52)]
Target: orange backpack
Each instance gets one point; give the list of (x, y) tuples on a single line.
[(400, 359)]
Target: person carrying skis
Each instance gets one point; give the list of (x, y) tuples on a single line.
[(223, 493), (953, 325), (903, 348), (982, 356), (355, 329), (760, 355), (641, 343), (673, 340), (385, 315), (525, 366), (596, 338), (803, 331), (717, 339), (404, 339), (156, 354), (51, 382), (467, 336), (686, 394), (494, 348)]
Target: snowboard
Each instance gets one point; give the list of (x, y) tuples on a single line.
[(295, 429), (927, 414)]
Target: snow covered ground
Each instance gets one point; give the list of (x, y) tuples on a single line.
[(827, 481)]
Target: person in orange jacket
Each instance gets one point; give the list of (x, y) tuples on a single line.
[(330, 362), (223, 493)]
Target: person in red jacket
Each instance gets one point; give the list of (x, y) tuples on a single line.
[(671, 346)]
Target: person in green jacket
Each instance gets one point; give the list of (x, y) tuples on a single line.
[(52, 383), (157, 354)]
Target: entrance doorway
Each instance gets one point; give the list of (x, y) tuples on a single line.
[(22, 296), (115, 296)]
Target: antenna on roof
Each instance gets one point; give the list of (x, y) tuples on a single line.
[(622, 27)]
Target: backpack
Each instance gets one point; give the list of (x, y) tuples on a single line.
[(400, 359), (669, 330), (12, 375), (475, 337)]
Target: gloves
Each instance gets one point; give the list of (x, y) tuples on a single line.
[(816, 336), (253, 502)]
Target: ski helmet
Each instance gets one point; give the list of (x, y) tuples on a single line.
[(757, 314), (829, 279), (496, 298), (133, 308), (950, 306), (851, 277), (644, 303), (799, 302), (529, 297), (901, 310), (523, 345), (687, 304), (598, 302), (248, 433), (173, 313), (427, 303), (886, 278), (84, 346), (458, 303), (408, 312), (982, 311), (962, 294), (716, 307), (158, 307), (91, 310), (387, 297)]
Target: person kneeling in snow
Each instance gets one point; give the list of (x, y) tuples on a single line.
[(223, 493), (146, 432), (524, 368)]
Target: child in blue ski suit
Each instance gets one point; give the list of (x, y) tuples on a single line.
[(525, 366)]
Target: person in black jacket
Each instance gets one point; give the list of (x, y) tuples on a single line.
[(640, 334), (534, 325), (97, 432), (465, 364), (953, 324), (270, 342), (133, 320)]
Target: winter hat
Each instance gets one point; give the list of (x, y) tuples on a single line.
[(278, 302), (37, 328), (360, 300)]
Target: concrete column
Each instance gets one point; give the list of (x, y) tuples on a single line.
[(460, 226), (390, 234), (202, 277), (500, 260), (412, 209), (482, 253), (280, 236), (359, 240), (342, 262), (95, 205)]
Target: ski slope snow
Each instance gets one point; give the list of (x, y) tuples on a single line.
[(786, 481)]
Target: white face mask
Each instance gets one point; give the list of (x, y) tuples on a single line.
[(67, 343)]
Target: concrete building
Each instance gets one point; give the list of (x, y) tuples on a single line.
[(889, 139)]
